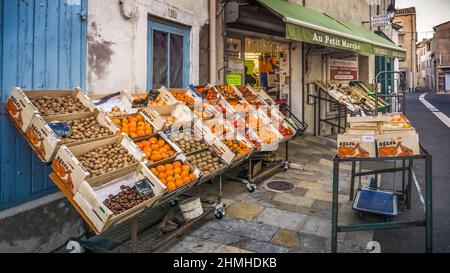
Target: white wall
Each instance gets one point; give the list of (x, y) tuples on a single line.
[(296, 78), (117, 46)]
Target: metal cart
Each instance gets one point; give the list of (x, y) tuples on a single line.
[(405, 193)]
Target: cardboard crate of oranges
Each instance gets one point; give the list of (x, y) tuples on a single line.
[(175, 173), (134, 125), (157, 147)]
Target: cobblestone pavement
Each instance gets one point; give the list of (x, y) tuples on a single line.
[(265, 221)]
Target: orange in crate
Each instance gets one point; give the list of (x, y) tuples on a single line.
[(134, 126), (175, 176), (157, 151)]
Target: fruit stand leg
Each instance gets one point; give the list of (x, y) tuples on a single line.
[(428, 204), (334, 219), (352, 181), (409, 186), (134, 236)]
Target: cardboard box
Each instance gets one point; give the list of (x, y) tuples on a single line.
[(187, 91), (175, 148), (146, 120), (400, 143), (164, 98), (110, 101), (358, 146), (395, 126), (272, 131), (159, 115), (22, 110), (263, 94), (156, 119), (131, 102), (201, 129), (220, 148), (217, 125), (205, 111), (397, 117), (67, 166), (183, 159), (90, 198), (46, 143), (367, 119)]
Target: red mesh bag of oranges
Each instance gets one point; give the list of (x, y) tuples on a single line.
[(156, 148), (174, 175), (134, 126)]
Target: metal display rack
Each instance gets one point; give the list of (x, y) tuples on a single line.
[(337, 118), (404, 193), (278, 165), (98, 242)]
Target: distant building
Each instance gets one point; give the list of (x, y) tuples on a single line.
[(425, 65), (441, 51), (407, 39)]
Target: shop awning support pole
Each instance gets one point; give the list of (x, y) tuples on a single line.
[(212, 42)]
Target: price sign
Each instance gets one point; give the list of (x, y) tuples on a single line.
[(235, 79), (61, 128), (144, 188), (152, 95)]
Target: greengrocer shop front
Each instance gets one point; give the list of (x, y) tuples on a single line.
[(289, 49)]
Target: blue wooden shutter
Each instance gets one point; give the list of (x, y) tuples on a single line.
[(44, 47)]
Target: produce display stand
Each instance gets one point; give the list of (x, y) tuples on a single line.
[(172, 197), (133, 222), (397, 99), (317, 104), (279, 165), (407, 167)]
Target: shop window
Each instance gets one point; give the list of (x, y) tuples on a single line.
[(168, 55)]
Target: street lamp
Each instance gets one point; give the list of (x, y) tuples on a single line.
[(391, 11)]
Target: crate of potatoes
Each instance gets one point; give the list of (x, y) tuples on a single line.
[(95, 161), (47, 134), (22, 105)]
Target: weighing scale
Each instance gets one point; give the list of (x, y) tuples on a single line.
[(376, 201)]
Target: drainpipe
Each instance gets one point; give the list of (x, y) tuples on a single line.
[(212, 42)]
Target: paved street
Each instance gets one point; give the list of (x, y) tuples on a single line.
[(298, 221), (435, 137)]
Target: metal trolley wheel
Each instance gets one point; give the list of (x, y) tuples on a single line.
[(251, 187)]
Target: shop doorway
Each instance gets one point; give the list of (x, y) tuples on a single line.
[(259, 62), (168, 55)]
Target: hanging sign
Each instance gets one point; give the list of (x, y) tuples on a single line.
[(343, 70)]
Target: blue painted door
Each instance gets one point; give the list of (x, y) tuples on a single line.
[(42, 46), (168, 55)]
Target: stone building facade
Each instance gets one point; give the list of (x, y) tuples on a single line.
[(407, 39), (425, 65), (441, 52)]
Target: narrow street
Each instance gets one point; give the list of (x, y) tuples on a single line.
[(435, 137)]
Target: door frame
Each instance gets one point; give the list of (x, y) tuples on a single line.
[(170, 28)]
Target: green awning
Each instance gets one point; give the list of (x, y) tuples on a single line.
[(307, 25)]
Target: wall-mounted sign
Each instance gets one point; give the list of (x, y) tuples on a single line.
[(380, 20), (343, 70)]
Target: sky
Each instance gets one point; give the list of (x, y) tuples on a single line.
[(429, 14)]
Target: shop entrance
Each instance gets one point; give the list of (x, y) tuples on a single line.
[(260, 63)]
